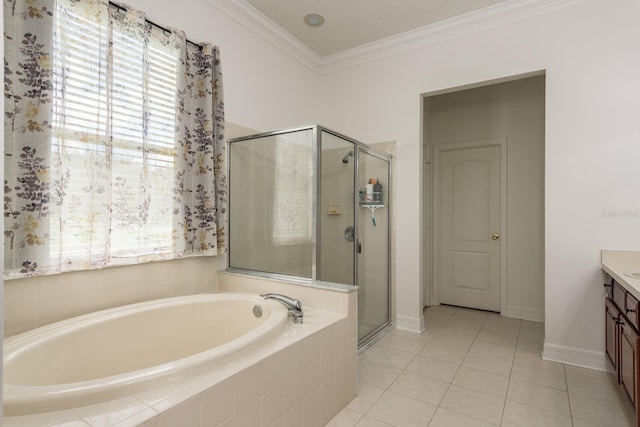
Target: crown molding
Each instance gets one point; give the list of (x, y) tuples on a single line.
[(490, 17), (256, 21)]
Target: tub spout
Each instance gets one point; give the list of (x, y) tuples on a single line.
[(293, 305)]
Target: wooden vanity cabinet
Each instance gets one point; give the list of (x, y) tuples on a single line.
[(612, 319), (622, 338), (628, 360)]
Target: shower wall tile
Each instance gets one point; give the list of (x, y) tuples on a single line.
[(37, 301)]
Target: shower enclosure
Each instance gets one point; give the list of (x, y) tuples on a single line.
[(312, 204)]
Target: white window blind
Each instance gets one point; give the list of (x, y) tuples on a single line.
[(114, 129)]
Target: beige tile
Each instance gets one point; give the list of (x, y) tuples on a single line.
[(451, 341), (249, 416), (293, 391), (293, 416), (377, 374), (408, 345), (539, 372), (390, 357), (495, 385), (163, 398), (421, 388), (468, 313), (519, 415), (311, 408), (345, 418), (19, 292), (502, 325), (549, 399), (502, 340), (367, 421), (52, 311), (489, 364), (19, 319), (601, 385), (582, 423), (53, 287), (493, 350), (186, 413), (400, 410), (445, 418), (272, 405), (474, 404), (530, 325), (610, 412), (246, 390), (366, 397), (433, 368)]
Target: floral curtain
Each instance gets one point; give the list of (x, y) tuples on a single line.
[(114, 139)]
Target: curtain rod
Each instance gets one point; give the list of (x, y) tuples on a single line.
[(160, 27)]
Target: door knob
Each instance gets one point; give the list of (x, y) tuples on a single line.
[(495, 236)]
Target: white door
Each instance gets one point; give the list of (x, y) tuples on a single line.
[(468, 196)]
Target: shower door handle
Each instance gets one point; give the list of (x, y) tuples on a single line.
[(359, 246)]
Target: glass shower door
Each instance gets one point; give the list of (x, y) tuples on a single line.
[(373, 244), (336, 210)]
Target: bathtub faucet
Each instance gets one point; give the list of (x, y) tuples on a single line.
[(293, 305)]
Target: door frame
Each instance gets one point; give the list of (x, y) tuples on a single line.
[(502, 144)]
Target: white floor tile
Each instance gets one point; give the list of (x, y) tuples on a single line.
[(473, 368), (519, 415), (345, 418), (367, 395), (495, 385), (420, 388), (474, 404), (376, 373), (549, 399), (433, 368), (493, 365), (400, 410), (446, 418)]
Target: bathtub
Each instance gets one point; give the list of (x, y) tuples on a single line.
[(117, 352)]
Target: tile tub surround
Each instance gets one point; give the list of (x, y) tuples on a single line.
[(473, 368), (303, 379), (37, 301)]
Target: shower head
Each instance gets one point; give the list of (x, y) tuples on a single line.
[(345, 159)]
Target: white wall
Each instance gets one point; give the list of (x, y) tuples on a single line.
[(589, 52), (513, 110), (264, 88)]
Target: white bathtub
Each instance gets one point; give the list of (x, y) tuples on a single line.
[(117, 352)]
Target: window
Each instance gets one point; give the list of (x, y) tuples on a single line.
[(114, 140), (122, 119)]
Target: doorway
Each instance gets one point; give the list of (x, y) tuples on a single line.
[(484, 197)]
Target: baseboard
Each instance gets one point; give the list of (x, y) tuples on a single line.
[(524, 313), (412, 324), (576, 357)]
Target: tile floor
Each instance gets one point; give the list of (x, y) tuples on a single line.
[(473, 368)]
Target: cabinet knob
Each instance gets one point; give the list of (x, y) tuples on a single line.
[(628, 310), (495, 236)]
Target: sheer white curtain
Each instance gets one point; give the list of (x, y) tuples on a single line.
[(114, 134)]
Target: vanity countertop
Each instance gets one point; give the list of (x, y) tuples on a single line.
[(621, 265)]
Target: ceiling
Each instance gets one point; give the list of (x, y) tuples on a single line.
[(352, 23)]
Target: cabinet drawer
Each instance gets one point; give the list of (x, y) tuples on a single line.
[(631, 310), (619, 295), (608, 285)]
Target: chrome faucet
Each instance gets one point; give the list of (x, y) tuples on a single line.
[(293, 305)]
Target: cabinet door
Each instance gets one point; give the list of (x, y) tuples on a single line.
[(628, 359), (611, 333)]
